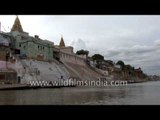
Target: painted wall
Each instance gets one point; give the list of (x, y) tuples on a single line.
[(34, 48)]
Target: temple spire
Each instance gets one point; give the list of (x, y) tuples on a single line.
[(17, 25), (62, 44)]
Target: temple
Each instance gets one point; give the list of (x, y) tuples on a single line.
[(17, 25), (62, 44)]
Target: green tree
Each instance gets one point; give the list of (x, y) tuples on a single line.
[(82, 52), (121, 63), (97, 57)]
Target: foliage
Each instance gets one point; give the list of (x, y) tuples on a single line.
[(121, 63), (82, 52), (97, 57)]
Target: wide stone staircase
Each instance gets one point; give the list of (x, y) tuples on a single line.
[(82, 72), (47, 71)]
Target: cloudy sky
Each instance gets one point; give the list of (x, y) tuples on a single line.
[(133, 39)]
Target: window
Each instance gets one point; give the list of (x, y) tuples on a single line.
[(38, 46), (19, 45)]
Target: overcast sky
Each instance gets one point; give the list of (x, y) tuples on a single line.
[(130, 38)]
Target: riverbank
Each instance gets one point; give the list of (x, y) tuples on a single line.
[(13, 86), (26, 86), (136, 81)]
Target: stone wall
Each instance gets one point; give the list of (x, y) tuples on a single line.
[(3, 55), (3, 52), (72, 58), (68, 49), (8, 77)]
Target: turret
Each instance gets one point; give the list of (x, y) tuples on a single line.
[(17, 25), (62, 44)]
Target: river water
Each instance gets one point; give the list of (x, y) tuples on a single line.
[(147, 93)]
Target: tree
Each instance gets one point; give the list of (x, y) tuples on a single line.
[(82, 52), (97, 57), (121, 63)]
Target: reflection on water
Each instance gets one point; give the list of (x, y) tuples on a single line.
[(139, 93)]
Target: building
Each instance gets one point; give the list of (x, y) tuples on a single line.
[(65, 54), (8, 77), (4, 48), (30, 47), (138, 72)]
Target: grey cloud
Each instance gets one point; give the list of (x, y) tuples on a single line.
[(157, 42), (146, 57), (132, 51)]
